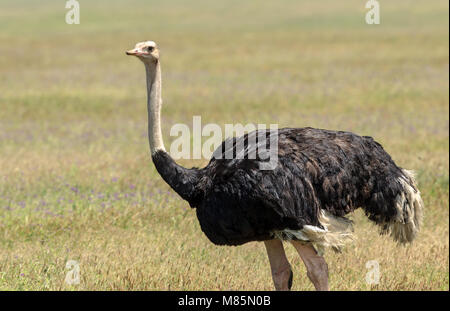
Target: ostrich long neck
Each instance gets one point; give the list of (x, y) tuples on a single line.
[(184, 181), (154, 102)]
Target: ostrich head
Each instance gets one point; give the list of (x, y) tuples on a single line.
[(146, 51)]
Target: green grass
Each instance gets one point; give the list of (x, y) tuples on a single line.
[(76, 179)]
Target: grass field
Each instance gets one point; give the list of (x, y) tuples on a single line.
[(76, 179)]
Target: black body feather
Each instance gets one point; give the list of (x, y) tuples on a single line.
[(336, 171)]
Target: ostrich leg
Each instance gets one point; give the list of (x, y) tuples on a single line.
[(281, 269), (316, 267)]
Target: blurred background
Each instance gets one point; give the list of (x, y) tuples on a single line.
[(76, 179)]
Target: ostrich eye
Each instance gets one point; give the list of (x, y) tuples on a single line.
[(150, 48)]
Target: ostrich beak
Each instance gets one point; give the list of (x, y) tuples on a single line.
[(132, 52)]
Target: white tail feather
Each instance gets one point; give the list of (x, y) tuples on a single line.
[(405, 227)]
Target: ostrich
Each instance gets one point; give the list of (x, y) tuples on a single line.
[(320, 177)]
